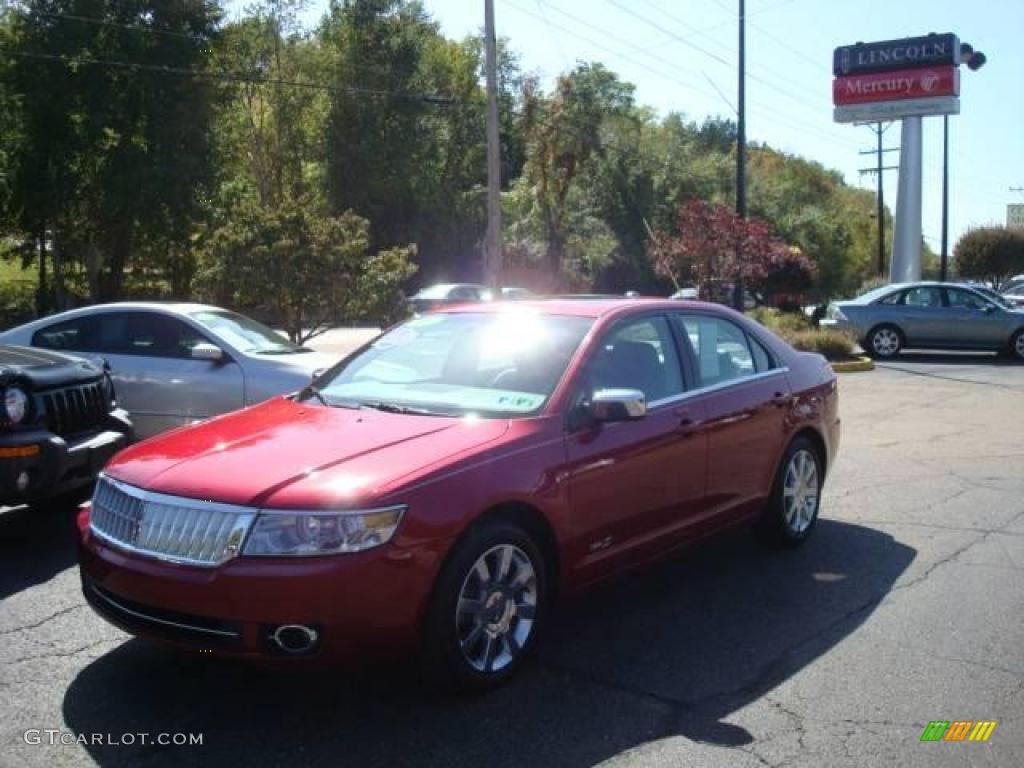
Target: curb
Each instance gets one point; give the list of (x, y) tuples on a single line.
[(854, 366)]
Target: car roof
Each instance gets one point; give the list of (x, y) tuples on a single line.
[(579, 307)]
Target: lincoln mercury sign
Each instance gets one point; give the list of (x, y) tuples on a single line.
[(910, 52), (899, 84)]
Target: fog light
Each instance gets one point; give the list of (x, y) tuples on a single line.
[(22, 480)]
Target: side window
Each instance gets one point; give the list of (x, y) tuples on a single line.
[(122, 333), (155, 335), (762, 358), (720, 348), (638, 354), (78, 335), (959, 299), (892, 298), (928, 297)]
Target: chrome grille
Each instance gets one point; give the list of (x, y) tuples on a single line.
[(170, 528)]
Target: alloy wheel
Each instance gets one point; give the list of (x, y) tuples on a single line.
[(885, 342), (496, 609), (1018, 345), (800, 491)]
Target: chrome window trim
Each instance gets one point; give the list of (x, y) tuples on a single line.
[(717, 387), (157, 620), (246, 516)]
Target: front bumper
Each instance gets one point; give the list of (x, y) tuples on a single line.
[(54, 465), (362, 605)]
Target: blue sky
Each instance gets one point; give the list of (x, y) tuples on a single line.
[(681, 55)]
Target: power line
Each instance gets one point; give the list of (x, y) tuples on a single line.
[(800, 99), (121, 25), (770, 115), (607, 50), (234, 77)]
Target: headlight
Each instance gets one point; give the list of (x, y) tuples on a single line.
[(281, 532), (835, 313), (15, 404)]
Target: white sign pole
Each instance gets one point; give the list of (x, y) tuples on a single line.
[(906, 241)]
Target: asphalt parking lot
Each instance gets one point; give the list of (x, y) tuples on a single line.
[(905, 607)]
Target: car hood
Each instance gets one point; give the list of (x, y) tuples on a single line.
[(305, 362), (298, 455), (46, 368)]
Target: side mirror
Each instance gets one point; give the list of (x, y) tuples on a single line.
[(317, 374), (988, 308), (209, 352), (618, 405)]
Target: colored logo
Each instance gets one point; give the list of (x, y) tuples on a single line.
[(958, 730), (929, 80)]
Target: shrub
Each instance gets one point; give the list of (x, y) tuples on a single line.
[(834, 345), (781, 322)]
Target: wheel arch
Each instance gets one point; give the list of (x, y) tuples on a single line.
[(886, 324), (818, 441), (536, 524)]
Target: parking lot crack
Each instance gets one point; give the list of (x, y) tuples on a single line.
[(42, 621)]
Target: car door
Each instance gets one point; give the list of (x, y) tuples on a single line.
[(975, 321), (924, 317), (634, 484), (745, 397), (154, 375)]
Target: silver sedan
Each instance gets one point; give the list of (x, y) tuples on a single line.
[(177, 363), (930, 316)]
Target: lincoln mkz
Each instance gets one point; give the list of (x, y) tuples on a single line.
[(435, 491)]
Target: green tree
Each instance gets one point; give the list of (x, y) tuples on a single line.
[(992, 254), (111, 158), (303, 269), (564, 132)]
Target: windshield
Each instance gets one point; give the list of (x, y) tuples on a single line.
[(877, 293), (489, 364), (992, 296), (245, 334)]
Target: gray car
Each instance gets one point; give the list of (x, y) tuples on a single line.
[(173, 364), (929, 315)]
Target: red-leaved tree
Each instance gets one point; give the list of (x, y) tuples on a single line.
[(713, 243)]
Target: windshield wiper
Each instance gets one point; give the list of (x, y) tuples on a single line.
[(281, 350), (395, 408), (311, 390)]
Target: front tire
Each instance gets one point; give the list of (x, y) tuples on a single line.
[(489, 603), (884, 342), (1017, 345), (795, 500)]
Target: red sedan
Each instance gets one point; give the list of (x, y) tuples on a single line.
[(439, 487)]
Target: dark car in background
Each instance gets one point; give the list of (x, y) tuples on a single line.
[(59, 423), (448, 294), (929, 315)]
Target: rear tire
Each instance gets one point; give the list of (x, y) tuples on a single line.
[(489, 604), (884, 342), (792, 509)]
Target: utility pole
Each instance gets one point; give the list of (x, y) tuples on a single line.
[(492, 243), (944, 256), (879, 171), (741, 153)]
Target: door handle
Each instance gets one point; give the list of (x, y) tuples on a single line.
[(685, 421)]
